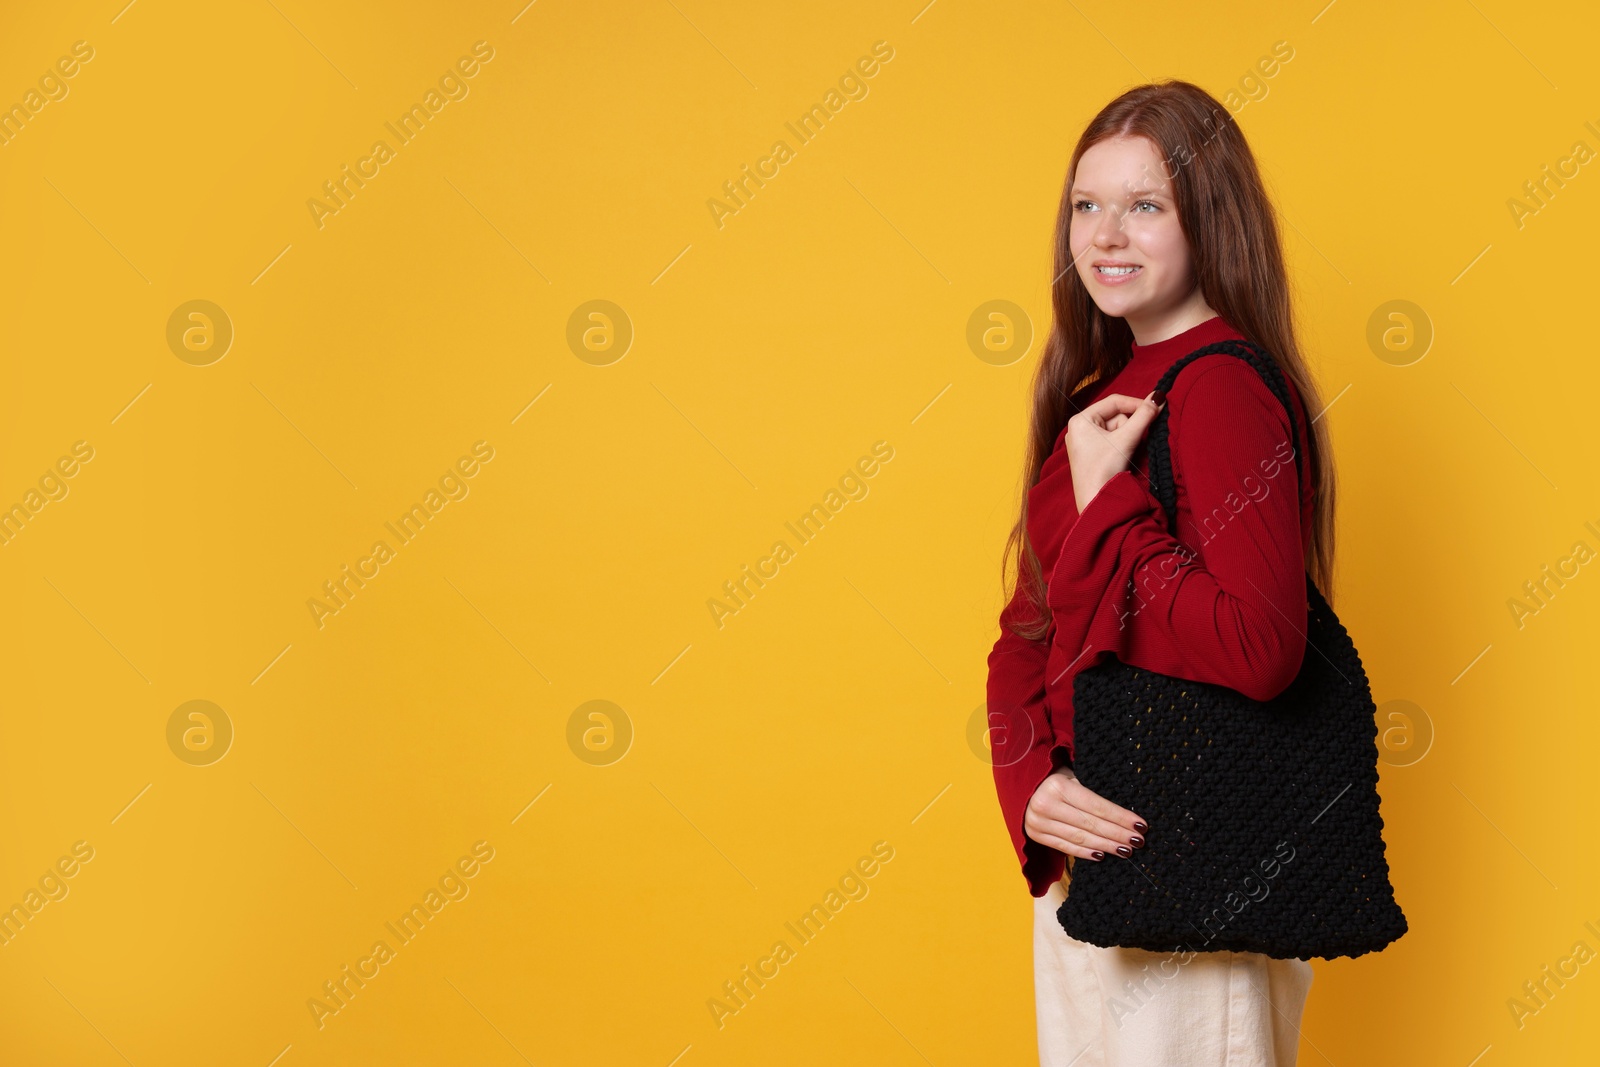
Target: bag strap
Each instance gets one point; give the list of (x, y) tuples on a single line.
[(1159, 452)]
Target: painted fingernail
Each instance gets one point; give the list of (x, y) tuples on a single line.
[(1140, 826), (1097, 854), (1159, 397), (1138, 842), (1124, 851)]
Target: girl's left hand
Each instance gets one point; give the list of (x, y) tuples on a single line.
[(1101, 440)]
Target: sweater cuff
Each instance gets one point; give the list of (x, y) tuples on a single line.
[(1042, 865), (1123, 499), (1017, 783)]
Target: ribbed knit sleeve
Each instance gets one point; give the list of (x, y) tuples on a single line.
[(1021, 738), (1226, 604)]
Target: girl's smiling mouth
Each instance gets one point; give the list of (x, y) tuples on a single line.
[(1110, 272)]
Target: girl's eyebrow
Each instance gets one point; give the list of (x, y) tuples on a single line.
[(1080, 191)]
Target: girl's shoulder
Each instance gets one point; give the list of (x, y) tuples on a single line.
[(1220, 385), (1222, 401)]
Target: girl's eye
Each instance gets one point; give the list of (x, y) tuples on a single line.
[(1080, 205)]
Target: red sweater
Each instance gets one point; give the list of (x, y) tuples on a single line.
[(1226, 606)]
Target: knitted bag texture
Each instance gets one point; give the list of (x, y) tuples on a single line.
[(1264, 832)]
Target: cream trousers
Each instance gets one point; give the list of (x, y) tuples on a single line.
[(1127, 1007)]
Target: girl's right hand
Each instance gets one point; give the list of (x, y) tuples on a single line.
[(1102, 438), (1066, 815)]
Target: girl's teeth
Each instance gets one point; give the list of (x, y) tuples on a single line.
[(1116, 270)]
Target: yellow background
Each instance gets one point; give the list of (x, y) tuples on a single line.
[(833, 711)]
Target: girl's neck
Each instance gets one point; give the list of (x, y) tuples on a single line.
[(1167, 324)]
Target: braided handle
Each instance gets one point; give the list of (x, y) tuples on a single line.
[(1160, 453)]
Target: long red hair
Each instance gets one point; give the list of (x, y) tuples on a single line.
[(1238, 262)]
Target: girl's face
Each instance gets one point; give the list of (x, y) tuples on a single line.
[(1127, 244)]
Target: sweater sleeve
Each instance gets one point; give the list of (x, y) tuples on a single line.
[(1022, 741), (1226, 603)]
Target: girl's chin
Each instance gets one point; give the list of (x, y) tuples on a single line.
[(1119, 305)]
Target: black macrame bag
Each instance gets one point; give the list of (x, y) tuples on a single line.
[(1264, 832)]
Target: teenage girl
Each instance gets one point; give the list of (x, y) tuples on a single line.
[(1165, 242)]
